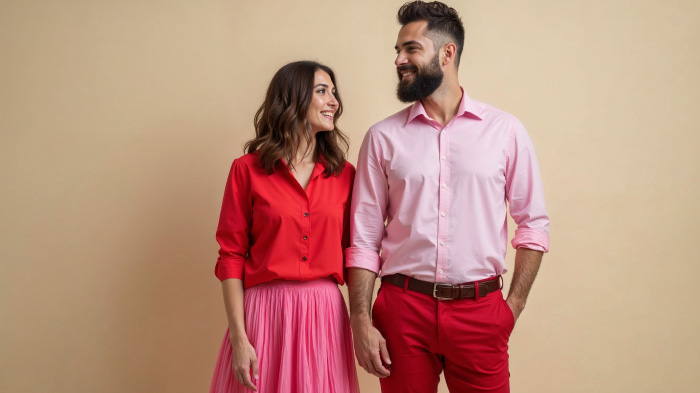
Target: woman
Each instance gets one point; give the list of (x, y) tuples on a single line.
[(284, 225)]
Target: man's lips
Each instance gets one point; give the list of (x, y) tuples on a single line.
[(405, 72)]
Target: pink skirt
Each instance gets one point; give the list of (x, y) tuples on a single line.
[(301, 335)]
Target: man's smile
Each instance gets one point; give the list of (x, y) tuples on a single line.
[(406, 71)]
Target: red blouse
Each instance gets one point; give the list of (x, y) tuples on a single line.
[(271, 228)]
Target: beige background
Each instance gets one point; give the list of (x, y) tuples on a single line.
[(119, 120)]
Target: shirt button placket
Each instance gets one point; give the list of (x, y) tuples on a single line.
[(305, 230), (443, 206)]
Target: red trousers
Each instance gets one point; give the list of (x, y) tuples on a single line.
[(467, 339)]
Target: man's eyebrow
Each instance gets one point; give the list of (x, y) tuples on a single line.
[(412, 42)]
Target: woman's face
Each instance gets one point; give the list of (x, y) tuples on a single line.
[(323, 103)]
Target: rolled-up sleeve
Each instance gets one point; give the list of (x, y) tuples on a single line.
[(233, 231), (345, 242), (368, 211), (525, 192)]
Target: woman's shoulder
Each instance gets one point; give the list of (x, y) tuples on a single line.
[(348, 172), (249, 160), (349, 168), (248, 165)]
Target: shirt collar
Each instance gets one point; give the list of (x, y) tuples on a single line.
[(319, 167), (467, 107)]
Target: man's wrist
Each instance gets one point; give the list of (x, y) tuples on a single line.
[(516, 303), (360, 318)]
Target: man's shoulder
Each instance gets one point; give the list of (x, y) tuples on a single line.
[(392, 123), (489, 112), (498, 120)]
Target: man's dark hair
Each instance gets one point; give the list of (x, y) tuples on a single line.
[(441, 18)]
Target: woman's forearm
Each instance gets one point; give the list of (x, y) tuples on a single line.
[(233, 301)]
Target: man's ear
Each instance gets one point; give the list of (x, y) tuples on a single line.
[(448, 53)]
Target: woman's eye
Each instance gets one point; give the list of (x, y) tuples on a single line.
[(322, 91)]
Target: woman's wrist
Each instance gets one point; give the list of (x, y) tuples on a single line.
[(237, 334)]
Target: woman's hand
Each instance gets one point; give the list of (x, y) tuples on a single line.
[(244, 359)]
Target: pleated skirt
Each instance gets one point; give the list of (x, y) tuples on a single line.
[(301, 334)]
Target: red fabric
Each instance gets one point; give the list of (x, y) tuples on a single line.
[(271, 228), (467, 339)]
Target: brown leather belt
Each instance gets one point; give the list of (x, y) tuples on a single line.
[(445, 291)]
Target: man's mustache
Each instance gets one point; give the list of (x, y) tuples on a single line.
[(403, 68)]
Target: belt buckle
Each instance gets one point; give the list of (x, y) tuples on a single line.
[(435, 293)]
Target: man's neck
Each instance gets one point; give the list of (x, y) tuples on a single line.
[(443, 104)]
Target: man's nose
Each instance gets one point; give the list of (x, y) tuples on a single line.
[(400, 59)]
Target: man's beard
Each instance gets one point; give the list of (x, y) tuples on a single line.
[(425, 81)]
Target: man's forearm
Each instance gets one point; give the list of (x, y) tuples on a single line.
[(527, 264), (360, 289)]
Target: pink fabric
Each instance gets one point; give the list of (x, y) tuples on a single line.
[(443, 194), (301, 335)]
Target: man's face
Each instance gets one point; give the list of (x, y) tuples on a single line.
[(417, 63)]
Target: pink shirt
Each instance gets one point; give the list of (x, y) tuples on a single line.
[(442, 193)]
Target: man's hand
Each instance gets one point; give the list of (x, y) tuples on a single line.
[(370, 347), (516, 308), (244, 359)]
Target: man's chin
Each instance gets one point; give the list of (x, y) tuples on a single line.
[(406, 97), (404, 93), (404, 83)]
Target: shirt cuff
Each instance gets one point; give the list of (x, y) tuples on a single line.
[(229, 268), (533, 239), (362, 258)]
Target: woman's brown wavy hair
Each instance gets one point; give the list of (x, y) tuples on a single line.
[(280, 123)]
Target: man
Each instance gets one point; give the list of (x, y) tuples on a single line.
[(430, 193)]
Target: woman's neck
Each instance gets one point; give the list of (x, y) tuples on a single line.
[(305, 154)]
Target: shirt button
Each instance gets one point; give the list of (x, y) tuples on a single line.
[(441, 271), (305, 237), (303, 258), (442, 214), (306, 214), (444, 158), (443, 133), (442, 243), (444, 185)]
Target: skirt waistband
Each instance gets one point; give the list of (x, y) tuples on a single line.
[(326, 282)]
